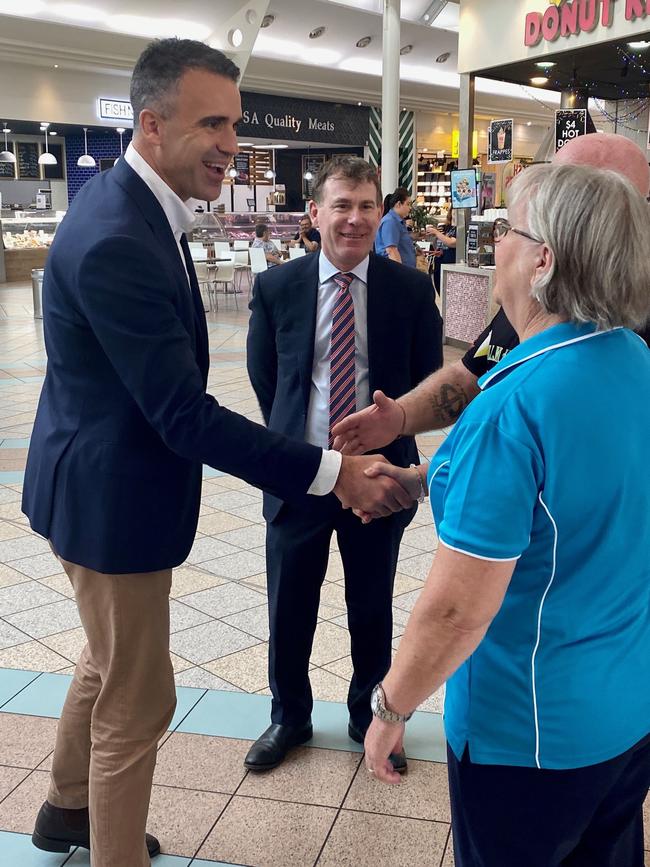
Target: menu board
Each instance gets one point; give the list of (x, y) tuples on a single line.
[(7, 170), (27, 160)]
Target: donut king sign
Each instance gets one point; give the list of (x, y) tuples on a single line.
[(565, 18)]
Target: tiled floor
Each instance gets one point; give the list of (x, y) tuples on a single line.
[(320, 807)]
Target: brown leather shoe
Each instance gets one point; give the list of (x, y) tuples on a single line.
[(59, 830)]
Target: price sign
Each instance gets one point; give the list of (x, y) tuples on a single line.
[(569, 124)]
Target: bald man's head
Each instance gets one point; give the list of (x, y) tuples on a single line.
[(608, 151)]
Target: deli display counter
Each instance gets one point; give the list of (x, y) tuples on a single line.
[(26, 238), (283, 225)]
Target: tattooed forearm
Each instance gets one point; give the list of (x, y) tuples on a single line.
[(447, 403)]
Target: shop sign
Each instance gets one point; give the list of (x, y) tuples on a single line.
[(565, 18), (569, 124), (455, 145), (279, 117), (115, 109), (500, 141), (242, 163)]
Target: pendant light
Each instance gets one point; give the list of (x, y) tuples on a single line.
[(46, 158), (120, 130), (6, 156), (309, 175), (85, 161)]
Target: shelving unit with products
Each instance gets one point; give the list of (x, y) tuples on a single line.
[(434, 182)]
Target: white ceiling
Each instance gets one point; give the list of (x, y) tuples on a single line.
[(284, 58)]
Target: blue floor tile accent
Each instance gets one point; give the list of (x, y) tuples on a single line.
[(8, 477), (229, 715), (17, 850), (211, 473), (12, 681), (43, 697), (15, 444), (186, 698), (81, 858)]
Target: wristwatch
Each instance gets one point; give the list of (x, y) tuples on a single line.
[(379, 709)]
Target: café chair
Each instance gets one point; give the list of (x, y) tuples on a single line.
[(296, 252)]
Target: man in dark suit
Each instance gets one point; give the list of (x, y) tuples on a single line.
[(123, 427), (325, 332)]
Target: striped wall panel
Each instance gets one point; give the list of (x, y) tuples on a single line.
[(406, 172)]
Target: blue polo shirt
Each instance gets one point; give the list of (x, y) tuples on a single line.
[(393, 233), (549, 466)]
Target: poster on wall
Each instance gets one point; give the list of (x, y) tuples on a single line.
[(464, 189), (500, 141), (242, 163), (569, 124), (488, 190)]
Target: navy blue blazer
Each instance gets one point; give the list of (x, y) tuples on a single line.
[(404, 343), (124, 423)]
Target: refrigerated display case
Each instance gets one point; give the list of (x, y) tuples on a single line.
[(283, 225), (26, 238)]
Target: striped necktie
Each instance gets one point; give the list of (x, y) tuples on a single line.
[(343, 398)]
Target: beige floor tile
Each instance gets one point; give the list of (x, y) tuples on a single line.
[(247, 669), (181, 818), (268, 833), (10, 778), (341, 667), (404, 584), (333, 595), (18, 811), (307, 776), (187, 580), (9, 576), (646, 821), (422, 794), (256, 581), (60, 583), (25, 740), (199, 762), (179, 664), (330, 642), (32, 656), (69, 644), (10, 531), (368, 840), (220, 522), (335, 567), (326, 686), (449, 860)]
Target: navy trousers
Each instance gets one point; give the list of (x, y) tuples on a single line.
[(526, 817), (297, 551)]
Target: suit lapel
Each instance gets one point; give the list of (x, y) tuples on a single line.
[(379, 355), (304, 304)]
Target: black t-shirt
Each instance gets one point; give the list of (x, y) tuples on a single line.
[(312, 235), (497, 340)]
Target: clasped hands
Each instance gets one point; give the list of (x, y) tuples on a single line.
[(368, 484)]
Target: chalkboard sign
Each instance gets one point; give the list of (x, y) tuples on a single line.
[(57, 172), (27, 156), (7, 170), (569, 124)]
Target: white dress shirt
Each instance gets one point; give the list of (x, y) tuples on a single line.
[(181, 220)]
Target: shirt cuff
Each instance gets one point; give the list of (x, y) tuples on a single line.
[(327, 475)]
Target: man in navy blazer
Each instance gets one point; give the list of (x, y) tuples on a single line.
[(301, 319), (123, 427)]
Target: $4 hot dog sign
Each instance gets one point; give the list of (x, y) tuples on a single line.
[(569, 124)]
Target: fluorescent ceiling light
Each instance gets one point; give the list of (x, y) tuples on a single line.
[(272, 46), (269, 147), (321, 56), (539, 80), (363, 65), (639, 46), (244, 144), (545, 64), (140, 25), (448, 18), (21, 7), (78, 12), (432, 11)]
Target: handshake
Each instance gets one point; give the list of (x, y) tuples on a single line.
[(368, 484)]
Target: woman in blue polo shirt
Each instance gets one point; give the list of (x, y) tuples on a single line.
[(393, 239), (537, 608)]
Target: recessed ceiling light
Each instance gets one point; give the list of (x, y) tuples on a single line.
[(316, 32), (641, 45), (251, 16), (364, 42), (358, 103), (545, 64), (235, 37), (44, 125), (539, 80), (529, 123), (267, 20), (443, 58), (56, 65), (406, 49), (51, 132)]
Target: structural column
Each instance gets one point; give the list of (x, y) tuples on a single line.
[(390, 97), (466, 125)]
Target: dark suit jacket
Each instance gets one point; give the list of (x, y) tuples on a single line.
[(124, 423), (404, 343)]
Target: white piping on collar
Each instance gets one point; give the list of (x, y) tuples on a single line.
[(546, 349)]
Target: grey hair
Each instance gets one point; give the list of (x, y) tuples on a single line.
[(597, 226), (161, 66)]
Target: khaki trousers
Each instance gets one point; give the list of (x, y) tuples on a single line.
[(119, 704)]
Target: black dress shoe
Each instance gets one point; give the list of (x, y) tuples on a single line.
[(270, 749), (59, 830), (397, 760)]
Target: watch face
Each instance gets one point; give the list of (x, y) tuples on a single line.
[(374, 701)]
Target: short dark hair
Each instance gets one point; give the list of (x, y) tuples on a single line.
[(260, 230), (161, 66), (400, 195), (351, 168), (305, 217)]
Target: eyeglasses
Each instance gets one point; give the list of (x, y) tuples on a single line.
[(501, 228)]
